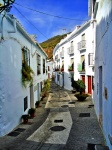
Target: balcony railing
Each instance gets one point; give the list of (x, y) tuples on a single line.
[(71, 50), (81, 67), (81, 45)]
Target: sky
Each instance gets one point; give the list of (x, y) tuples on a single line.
[(46, 26)]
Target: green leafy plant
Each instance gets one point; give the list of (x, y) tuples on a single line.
[(27, 74), (78, 85), (46, 88)]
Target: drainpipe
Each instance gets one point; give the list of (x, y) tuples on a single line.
[(14, 24), (13, 31), (2, 38)]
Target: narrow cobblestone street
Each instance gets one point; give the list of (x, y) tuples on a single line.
[(59, 124)]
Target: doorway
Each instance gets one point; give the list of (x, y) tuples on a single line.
[(89, 85), (100, 96), (31, 97)]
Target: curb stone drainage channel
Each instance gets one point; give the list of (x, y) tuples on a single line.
[(64, 106), (71, 103), (84, 115), (58, 121), (57, 128)]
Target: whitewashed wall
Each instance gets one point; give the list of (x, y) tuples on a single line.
[(103, 59), (75, 36), (12, 93)]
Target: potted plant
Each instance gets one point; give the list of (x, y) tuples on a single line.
[(79, 86), (31, 112), (25, 118), (81, 97), (37, 104)]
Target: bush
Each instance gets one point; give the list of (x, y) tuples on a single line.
[(46, 87), (78, 85)]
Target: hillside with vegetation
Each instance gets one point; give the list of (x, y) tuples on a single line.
[(50, 44)]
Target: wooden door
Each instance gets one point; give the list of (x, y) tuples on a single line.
[(89, 85)]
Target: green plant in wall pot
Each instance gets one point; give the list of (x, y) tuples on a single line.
[(27, 74)]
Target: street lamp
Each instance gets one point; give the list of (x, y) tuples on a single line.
[(6, 5)]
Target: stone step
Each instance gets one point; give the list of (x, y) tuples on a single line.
[(100, 147)]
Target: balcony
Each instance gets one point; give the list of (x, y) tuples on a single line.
[(71, 50), (81, 67), (81, 45)]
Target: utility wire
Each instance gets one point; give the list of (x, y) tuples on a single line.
[(30, 22), (49, 14)]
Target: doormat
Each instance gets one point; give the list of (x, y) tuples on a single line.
[(90, 146), (13, 133), (71, 103), (20, 130), (91, 105), (64, 106), (58, 121), (84, 115), (57, 128)]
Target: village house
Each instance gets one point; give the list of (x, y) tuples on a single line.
[(19, 87), (101, 14), (74, 57)]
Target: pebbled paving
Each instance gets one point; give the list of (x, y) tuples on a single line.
[(84, 130)]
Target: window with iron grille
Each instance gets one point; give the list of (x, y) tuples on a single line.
[(83, 62), (25, 103), (38, 64), (90, 59), (25, 56), (43, 65)]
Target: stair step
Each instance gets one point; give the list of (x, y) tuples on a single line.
[(100, 147)]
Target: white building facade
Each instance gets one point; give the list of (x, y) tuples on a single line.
[(101, 13), (74, 56), (16, 46), (50, 69)]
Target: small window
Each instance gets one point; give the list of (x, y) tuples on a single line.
[(25, 103), (43, 65), (38, 64)]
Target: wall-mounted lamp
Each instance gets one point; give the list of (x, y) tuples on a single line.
[(6, 6)]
